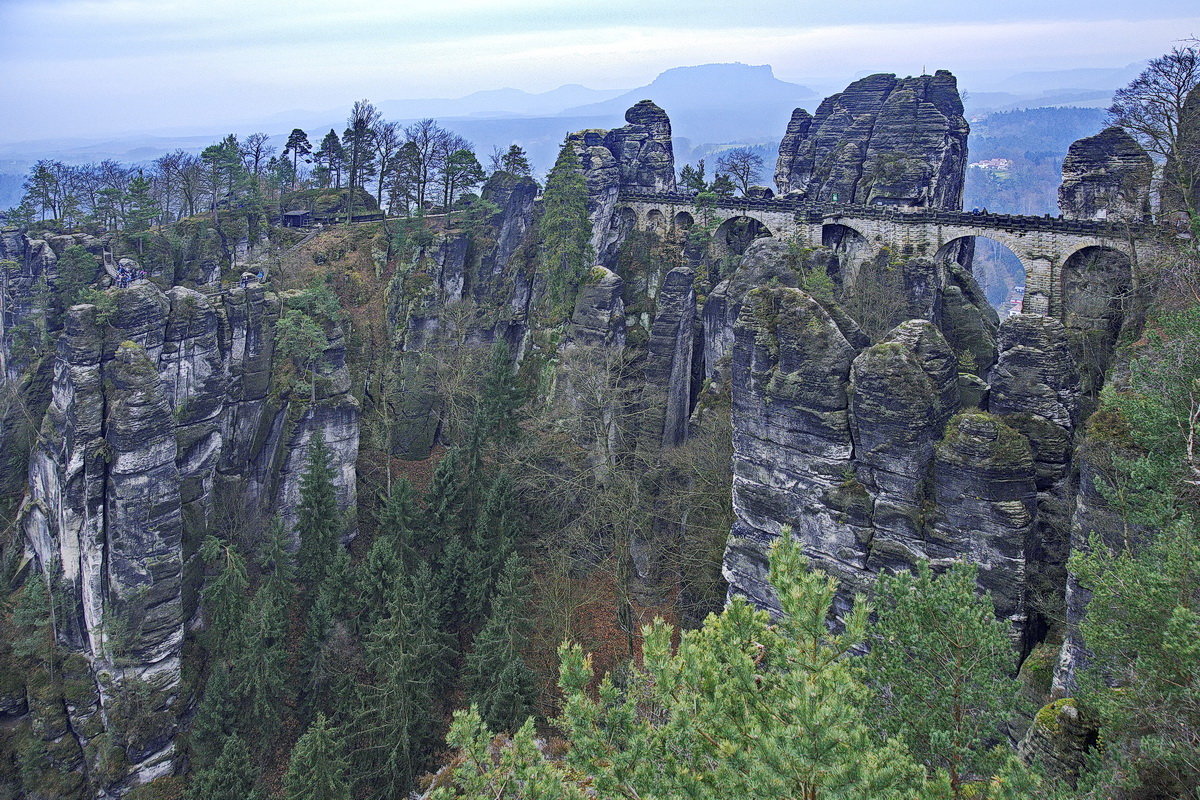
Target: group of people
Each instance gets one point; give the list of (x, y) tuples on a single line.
[(127, 275), (247, 277)]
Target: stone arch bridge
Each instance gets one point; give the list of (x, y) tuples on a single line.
[(1043, 244)]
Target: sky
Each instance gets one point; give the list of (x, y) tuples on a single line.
[(81, 68)]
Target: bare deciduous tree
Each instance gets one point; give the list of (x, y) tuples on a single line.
[(743, 165)]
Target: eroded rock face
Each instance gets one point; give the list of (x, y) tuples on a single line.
[(637, 157), (791, 439), (1106, 176), (882, 141), (866, 454), (161, 422), (668, 371)]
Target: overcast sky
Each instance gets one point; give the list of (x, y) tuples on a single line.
[(72, 68)]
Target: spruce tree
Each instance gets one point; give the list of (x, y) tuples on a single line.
[(319, 522), (231, 777), (317, 767), (566, 231), (499, 397), (398, 522), (492, 541), (260, 663), (394, 730), (224, 595), (215, 717), (375, 579), (32, 620), (446, 496), (940, 662), (501, 685)]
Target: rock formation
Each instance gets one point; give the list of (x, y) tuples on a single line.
[(883, 140), (636, 157), (1106, 176), (164, 417), (874, 457)]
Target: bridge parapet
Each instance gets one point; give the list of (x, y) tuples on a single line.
[(813, 212)]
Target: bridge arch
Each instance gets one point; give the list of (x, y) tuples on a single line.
[(735, 234), (684, 221), (655, 220), (1000, 269), (1097, 285), (850, 247)]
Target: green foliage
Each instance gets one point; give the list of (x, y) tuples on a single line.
[(1143, 626), (501, 685), (393, 730), (215, 717), (319, 521), (515, 161), (741, 708), (566, 231), (223, 596), (940, 663), (259, 665), (692, 178), (1156, 407), (1143, 620), (300, 339), (317, 768), (500, 397), (77, 270), (232, 777), (32, 621)]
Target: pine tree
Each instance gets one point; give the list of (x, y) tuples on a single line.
[(299, 147), (940, 662), (141, 209), (331, 159), (232, 777), (566, 231), (746, 706), (317, 767), (501, 685), (516, 161), (319, 522)]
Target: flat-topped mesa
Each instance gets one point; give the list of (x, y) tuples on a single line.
[(883, 141), (1106, 176)]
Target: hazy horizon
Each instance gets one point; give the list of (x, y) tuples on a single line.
[(96, 68)]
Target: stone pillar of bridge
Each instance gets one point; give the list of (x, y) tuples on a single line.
[(1040, 294)]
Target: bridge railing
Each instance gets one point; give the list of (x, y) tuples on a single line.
[(815, 212)]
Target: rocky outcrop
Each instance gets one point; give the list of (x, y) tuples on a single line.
[(791, 440), (455, 293), (637, 157), (878, 456), (1106, 176), (668, 391), (163, 421), (883, 140)]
